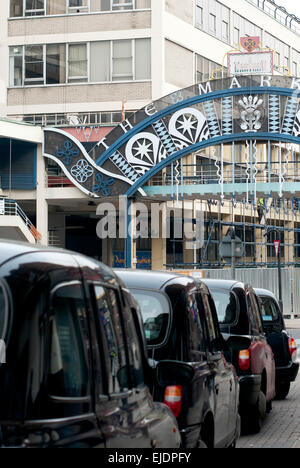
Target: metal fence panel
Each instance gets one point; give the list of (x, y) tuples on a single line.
[(267, 279)]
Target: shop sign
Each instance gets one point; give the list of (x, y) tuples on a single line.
[(257, 63), (143, 260)]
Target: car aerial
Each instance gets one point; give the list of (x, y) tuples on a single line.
[(239, 313), (283, 345), (74, 367), (180, 324)]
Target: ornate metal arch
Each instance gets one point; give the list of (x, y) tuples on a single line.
[(242, 108)]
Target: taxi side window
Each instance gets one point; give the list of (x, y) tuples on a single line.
[(196, 335), (112, 346), (212, 332), (69, 344), (254, 310)]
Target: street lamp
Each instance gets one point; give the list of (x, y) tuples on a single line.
[(272, 229)]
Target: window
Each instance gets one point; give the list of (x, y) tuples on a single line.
[(212, 23), (269, 310), (55, 63), (227, 306), (97, 62), (34, 64), (196, 336), (122, 5), (16, 66), (34, 7), (236, 37), (254, 311), (155, 310), (68, 375), (113, 345), (142, 59), (225, 31), (122, 60), (16, 8), (134, 349), (205, 307), (199, 15), (77, 70), (100, 61), (78, 6)]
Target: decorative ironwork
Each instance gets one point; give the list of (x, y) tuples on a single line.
[(103, 185), (68, 152)]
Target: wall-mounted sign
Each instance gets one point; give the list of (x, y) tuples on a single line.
[(250, 43), (257, 63)]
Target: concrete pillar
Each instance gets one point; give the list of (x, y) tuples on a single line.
[(159, 254), (130, 242), (41, 202), (107, 255)]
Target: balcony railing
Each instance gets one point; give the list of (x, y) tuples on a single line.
[(11, 208)]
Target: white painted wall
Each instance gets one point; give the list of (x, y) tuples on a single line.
[(4, 10)]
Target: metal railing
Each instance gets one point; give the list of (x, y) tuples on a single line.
[(231, 173), (57, 179), (11, 208)]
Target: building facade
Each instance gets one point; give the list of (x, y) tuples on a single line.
[(85, 66)]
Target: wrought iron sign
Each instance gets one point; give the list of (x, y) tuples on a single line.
[(244, 108)]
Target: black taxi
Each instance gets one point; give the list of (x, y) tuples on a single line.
[(73, 371), (181, 325)]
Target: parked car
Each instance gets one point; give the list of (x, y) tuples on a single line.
[(74, 371), (180, 324), (239, 313), (283, 345)]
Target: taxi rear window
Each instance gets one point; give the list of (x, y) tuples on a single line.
[(156, 311), (227, 306)]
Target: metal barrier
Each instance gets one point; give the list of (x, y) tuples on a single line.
[(11, 208), (268, 279)]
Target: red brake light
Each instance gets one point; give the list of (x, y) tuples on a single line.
[(293, 348), (173, 399), (244, 359)]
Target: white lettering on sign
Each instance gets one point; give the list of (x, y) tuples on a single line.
[(205, 90)]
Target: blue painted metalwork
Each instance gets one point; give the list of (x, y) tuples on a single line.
[(214, 141), (103, 185), (203, 98)]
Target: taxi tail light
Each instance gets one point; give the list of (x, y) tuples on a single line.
[(293, 348), (173, 399), (244, 359)]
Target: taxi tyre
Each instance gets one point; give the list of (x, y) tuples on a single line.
[(257, 414), (282, 390)]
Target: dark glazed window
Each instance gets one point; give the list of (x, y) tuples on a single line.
[(196, 336), (155, 310), (68, 375), (113, 343)]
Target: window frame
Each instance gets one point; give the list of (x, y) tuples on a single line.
[(100, 353), (34, 10), (170, 320), (75, 80), (82, 8), (87, 356)]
